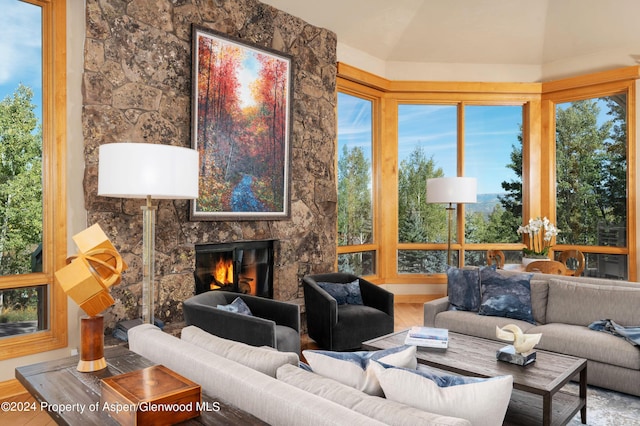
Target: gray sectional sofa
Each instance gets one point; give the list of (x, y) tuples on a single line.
[(269, 384), (563, 308)]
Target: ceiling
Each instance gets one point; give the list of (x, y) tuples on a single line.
[(524, 32)]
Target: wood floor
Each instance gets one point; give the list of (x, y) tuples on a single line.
[(406, 315)]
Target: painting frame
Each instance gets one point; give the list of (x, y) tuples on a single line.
[(241, 108)]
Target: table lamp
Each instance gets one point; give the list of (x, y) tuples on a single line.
[(147, 170), (451, 190)]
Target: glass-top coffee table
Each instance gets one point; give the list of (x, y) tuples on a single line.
[(538, 397)]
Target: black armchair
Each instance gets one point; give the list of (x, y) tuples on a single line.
[(272, 323), (345, 327)]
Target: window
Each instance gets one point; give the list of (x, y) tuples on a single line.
[(429, 146), (355, 204), (592, 206), (32, 187), (504, 134)]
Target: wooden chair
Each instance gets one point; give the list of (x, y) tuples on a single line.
[(547, 267), (571, 257), (497, 257)]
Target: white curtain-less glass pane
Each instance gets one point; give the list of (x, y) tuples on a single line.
[(355, 217), (427, 141), (591, 170), (493, 155)]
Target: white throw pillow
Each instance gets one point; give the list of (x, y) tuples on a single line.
[(483, 402), (355, 368)]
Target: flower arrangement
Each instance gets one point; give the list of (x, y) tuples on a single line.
[(539, 233)]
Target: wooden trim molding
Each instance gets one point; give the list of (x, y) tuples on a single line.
[(54, 242), (11, 388), (611, 76)]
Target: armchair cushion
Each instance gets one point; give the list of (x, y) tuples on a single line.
[(345, 294), (238, 306)]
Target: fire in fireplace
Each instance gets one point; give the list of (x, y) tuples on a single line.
[(241, 266)]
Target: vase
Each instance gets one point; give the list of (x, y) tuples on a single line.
[(528, 260)]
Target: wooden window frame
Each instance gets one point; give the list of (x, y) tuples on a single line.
[(54, 117), (592, 86), (374, 96), (537, 175)]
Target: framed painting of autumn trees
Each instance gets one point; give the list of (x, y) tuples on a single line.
[(241, 128)]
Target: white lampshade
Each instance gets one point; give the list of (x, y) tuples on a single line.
[(452, 190), (139, 170)]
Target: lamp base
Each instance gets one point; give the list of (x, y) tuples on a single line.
[(91, 344)]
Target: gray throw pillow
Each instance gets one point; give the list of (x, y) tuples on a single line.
[(506, 296)]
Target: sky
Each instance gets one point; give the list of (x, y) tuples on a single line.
[(21, 49)]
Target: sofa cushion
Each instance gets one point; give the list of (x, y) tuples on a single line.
[(581, 304), (539, 298), (354, 368), (384, 410), (476, 325), (585, 343), (265, 360), (237, 306), (506, 296), (463, 288), (483, 402), (345, 294)]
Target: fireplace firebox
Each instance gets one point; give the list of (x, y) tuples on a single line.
[(240, 266)]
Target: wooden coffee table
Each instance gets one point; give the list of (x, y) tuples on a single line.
[(537, 397)]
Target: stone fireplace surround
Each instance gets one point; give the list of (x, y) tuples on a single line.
[(137, 87)]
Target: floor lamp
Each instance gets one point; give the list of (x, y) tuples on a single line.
[(451, 190), (147, 170)]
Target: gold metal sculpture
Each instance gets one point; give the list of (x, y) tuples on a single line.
[(86, 279)]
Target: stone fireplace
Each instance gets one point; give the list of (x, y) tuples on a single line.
[(137, 88), (242, 266)]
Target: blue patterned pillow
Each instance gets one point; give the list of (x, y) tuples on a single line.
[(506, 296), (237, 306), (463, 288), (345, 294)]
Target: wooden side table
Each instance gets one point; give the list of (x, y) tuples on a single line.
[(73, 398)]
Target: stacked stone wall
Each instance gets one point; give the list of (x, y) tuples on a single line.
[(137, 88)]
